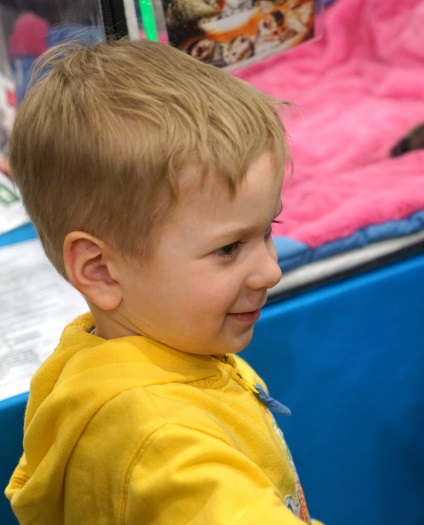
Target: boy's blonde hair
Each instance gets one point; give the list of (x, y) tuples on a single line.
[(102, 135)]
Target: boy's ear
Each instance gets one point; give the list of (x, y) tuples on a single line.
[(88, 262)]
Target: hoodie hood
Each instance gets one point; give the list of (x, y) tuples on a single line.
[(83, 374)]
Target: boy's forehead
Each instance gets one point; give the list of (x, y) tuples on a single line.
[(196, 180), (199, 191)]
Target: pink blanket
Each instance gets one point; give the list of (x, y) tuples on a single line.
[(357, 90)]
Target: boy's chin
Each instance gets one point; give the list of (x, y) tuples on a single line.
[(238, 344)]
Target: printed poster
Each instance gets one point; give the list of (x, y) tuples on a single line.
[(233, 33)]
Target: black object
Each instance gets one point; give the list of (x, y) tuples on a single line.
[(114, 20), (413, 140)]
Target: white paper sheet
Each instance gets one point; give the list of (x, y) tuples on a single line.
[(35, 305)]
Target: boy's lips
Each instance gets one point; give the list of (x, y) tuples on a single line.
[(250, 316), (246, 317)]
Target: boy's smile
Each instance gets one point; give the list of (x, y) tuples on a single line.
[(212, 264)]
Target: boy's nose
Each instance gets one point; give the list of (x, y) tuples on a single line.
[(266, 272)]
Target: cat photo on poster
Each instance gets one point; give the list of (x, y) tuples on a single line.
[(231, 33)]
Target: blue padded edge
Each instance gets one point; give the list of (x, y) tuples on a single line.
[(293, 254), (23, 233)]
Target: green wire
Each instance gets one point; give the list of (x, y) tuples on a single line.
[(148, 19)]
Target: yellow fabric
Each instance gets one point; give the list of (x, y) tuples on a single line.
[(129, 431)]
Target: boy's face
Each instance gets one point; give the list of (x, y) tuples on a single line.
[(213, 262)]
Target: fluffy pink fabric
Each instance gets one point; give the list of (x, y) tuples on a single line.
[(357, 90)]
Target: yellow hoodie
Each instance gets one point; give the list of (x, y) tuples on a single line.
[(129, 431)]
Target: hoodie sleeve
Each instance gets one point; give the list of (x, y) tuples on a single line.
[(181, 475)]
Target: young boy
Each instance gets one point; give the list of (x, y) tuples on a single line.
[(153, 181)]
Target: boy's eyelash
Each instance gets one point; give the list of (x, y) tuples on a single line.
[(270, 229), (230, 249)]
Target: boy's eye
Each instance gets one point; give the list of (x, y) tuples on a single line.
[(229, 250)]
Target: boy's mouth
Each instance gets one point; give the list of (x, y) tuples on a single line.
[(246, 317)]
